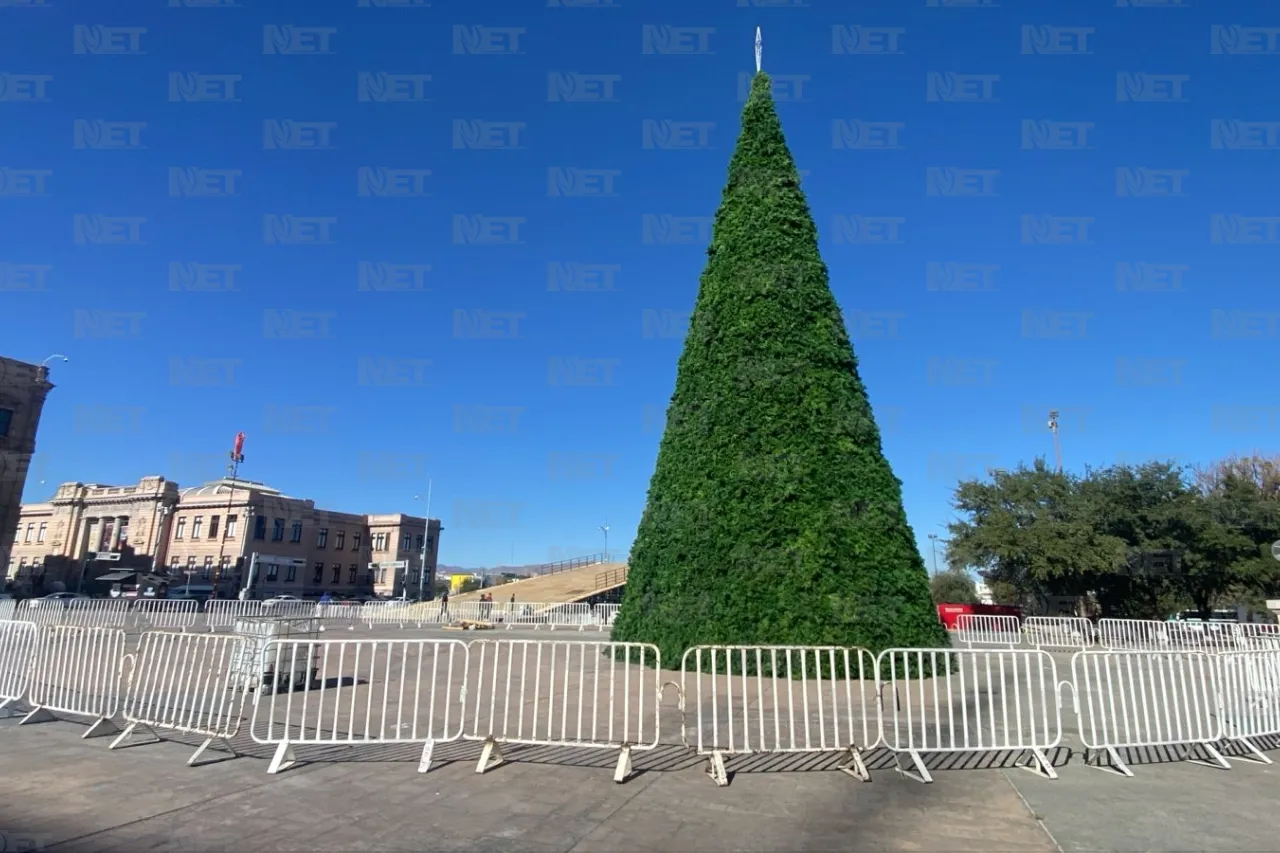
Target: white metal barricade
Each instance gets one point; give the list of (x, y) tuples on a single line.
[(988, 630), (1136, 699), (338, 615), (1058, 632), (606, 614), (355, 692), (17, 651), (969, 700), (289, 609), (1250, 684), (77, 671), (598, 695), (1133, 634), (222, 613), (96, 612), (385, 613), (42, 611), (165, 612), (8, 610), (778, 699), (184, 683)]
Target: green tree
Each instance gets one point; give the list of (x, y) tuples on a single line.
[(953, 586), (772, 515)]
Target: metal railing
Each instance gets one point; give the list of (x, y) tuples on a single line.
[(611, 578), (566, 565)]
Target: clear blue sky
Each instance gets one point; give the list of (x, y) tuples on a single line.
[(915, 123)]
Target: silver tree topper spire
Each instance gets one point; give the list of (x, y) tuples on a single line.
[(758, 50)]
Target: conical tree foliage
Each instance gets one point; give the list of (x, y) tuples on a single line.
[(773, 516)]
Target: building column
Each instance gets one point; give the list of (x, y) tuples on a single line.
[(86, 537), (115, 534)]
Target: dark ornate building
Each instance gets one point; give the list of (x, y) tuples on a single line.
[(23, 389)]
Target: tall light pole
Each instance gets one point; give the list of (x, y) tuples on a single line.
[(426, 535), (45, 363), (1057, 443), (604, 528), (233, 468), (933, 546)]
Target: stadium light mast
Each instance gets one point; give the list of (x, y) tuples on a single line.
[(1057, 442)]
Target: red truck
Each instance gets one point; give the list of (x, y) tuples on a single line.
[(948, 613)]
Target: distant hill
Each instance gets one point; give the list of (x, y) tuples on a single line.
[(495, 570)]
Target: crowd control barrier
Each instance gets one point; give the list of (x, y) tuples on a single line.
[(1058, 632), (8, 610), (357, 692), (222, 613), (185, 683), (338, 616), (165, 612), (969, 700), (778, 699), (76, 671), (598, 695), (96, 612), (988, 630), (289, 609), (1251, 698), (1133, 635), (1136, 699), (605, 614), (17, 650)]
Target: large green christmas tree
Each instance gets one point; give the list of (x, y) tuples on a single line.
[(773, 516)]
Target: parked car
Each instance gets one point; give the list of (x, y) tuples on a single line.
[(68, 599), (282, 598)]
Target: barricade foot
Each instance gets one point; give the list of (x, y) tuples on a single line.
[(856, 767), (101, 726), (38, 715), (623, 770), (1039, 763), (424, 763), (1117, 765), (128, 733), (191, 762), (1217, 761), (1257, 758), (491, 751), (283, 759), (716, 769), (921, 773)]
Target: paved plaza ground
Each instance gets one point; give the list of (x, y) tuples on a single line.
[(69, 794)]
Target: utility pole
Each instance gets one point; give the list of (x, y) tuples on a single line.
[(933, 546), (1057, 443)]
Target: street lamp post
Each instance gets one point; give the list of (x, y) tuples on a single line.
[(426, 537), (233, 468), (933, 546), (604, 528)]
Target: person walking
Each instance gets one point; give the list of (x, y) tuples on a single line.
[(444, 606)]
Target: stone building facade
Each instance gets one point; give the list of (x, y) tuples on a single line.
[(23, 389), (205, 536)]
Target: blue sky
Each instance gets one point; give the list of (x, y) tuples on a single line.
[(392, 250)]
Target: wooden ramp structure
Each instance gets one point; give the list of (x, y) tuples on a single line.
[(561, 587)]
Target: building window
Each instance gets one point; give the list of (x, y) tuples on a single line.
[(340, 540), (196, 524), (355, 541), (379, 541), (191, 567), (290, 573), (419, 548), (213, 526), (351, 574), (173, 564), (297, 532), (277, 530), (40, 532), (231, 526), (431, 542), (382, 575), (181, 530), (319, 575), (272, 572), (407, 542), (31, 529), (259, 527), (124, 532), (322, 537), (207, 569), (6, 418), (337, 572)]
